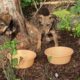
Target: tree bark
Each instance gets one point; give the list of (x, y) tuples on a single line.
[(28, 36)]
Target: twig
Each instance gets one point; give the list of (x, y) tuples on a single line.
[(35, 4), (53, 3), (57, 2), (39, 8)]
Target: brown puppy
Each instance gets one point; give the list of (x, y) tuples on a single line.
[(45, 23)]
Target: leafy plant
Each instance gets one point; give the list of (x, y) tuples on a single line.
[(76, 8), (29, 2), (11, 45), (25, 3), (8, 69), (69, 19), (49, 58), (64, 16), (62, 13), (77, 30)]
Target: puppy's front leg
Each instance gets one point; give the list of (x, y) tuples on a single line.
[(54, 37)]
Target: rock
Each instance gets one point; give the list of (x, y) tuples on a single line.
[(56, 75)]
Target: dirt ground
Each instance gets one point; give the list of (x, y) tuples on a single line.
[(43, 70)]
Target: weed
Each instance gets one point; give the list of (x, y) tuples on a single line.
[(25, 3), (70, 19), (8, 68)]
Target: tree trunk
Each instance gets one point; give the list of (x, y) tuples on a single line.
[(28, 36)]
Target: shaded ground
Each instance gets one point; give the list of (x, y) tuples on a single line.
[(42, 70)]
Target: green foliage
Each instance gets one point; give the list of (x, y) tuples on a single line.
[(12, 46), (49, 58), (76, 9), (8, 70), (8, 45), (14, 62), (77, 30), (62, 13), (70, 19), (65, 17), (25, 3)]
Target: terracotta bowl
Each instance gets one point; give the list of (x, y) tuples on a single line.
[(25, 58), (59, 55)]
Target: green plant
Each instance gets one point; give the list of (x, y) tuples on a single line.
[(11, 45), (8, 69), (25, 3), (49, 58), (76, 8), (65, 17), (70, 19), (77, 30), (62, 13)]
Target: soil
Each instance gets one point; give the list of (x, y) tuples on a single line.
[(43, 70)]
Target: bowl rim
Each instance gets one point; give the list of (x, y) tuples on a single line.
[(32, 52), (72, 51)]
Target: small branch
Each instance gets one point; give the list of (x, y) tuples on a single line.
[(57, 2), (39, 7), (35, 4), (53, 3)]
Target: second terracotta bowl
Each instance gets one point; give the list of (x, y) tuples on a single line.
[(59, 55)]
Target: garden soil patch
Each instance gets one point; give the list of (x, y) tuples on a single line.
[(42, 70)]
